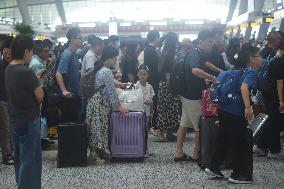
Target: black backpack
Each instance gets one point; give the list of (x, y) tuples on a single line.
[(177, 79), (88, 80)]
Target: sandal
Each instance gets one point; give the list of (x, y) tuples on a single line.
[(185, 158), (8, 160)]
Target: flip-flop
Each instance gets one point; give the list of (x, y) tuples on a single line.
[(185, 158)]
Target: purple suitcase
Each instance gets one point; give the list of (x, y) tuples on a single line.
[(128, 135)]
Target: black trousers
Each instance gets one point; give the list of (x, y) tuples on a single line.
[(71, 108), (269, 138), (234, 135)]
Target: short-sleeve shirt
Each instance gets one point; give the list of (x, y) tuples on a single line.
[(22, 103), (69, 68), (148, 94), (194, 85), (249, 77), (36, 65), (88, 61)]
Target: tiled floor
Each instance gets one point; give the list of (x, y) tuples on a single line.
[(158, 171)]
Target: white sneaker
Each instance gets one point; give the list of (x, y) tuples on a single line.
[(278, 156), (258, 151)]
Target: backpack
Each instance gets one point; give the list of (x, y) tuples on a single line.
[(177, 80), (263, 82), (227, 88), (87, 82)]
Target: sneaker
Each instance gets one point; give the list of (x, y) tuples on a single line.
[(258, 151), (214, 173), (278, 156), (240, 180)]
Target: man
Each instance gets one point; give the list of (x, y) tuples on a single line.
[(186, 46), (273, 40), (151, 59), (24, 95), (191, 101), (3, 38), (4, 117), (93, 55), (67, 76), (114, 41)]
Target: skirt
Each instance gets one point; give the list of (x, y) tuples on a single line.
[(168, 109), (97, 120)]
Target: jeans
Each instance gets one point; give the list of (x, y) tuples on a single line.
[(28, 157), (233, 135)]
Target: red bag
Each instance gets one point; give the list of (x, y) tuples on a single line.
[(209, 109)]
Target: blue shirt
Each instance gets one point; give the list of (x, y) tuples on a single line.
[(249, 77), (69, 68)]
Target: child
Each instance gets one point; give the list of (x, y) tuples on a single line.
[(148, 94)]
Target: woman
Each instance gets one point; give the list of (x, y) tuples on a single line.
[(100, 104), (130, 64), (233, 121), (169, 107)]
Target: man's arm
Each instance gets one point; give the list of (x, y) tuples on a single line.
[(39, 94), (212, 67), (202, 74), (246, 99), (61, 84), (280, 94)]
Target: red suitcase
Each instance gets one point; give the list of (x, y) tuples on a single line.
[(209, 109)]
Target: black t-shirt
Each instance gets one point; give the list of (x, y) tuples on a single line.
[(130, 66), (151, 59), (194, 85), (22, 104), (3, 66), (216, 59), (276, 69), (267, 53)]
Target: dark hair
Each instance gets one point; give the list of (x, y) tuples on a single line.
[(169, 51), (93, 40), (143, 67), (233, 47), (281, 44), (19, 45), (109, 52), (271, 35), (131, 49), (47, 43), (204, 34), (73, 33), (113, 38), (152, 35), (38, 46), (247, 51), (7, 43)]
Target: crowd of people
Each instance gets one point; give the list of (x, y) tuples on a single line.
[(36, 75)]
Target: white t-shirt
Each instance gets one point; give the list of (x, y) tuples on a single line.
[(148, 94), (88, 61)]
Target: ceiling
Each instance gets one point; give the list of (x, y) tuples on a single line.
[(44, 12)]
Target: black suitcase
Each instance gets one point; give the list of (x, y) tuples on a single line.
[(208, 129), (72, 145)]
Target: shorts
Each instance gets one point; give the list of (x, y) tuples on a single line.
[(191, 112)]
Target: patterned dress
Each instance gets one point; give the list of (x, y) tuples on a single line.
[(99, 108), (168, 110)]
